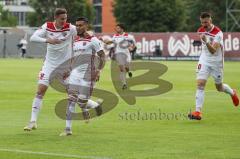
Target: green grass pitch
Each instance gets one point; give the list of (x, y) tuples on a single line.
[(114, 135)]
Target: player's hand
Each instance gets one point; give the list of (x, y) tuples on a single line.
[(53, 41), (203, 37)]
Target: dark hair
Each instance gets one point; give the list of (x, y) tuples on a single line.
[(205, 15), (59, 11), (121, 26), (82, 19)]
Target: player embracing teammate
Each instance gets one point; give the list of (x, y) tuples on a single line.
[(59, 36)]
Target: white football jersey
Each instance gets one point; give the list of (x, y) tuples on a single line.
[(85, 50), (215, 35), (59, 53), (122, 42)]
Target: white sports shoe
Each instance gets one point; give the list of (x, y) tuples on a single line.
[(66, 132), (32, 125)]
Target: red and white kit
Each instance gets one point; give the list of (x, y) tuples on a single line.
[(121, 42), (85, 50), (56, 54), (211, 64)]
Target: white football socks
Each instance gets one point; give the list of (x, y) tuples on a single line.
[(227, 89), (36, 106), (123, 77), (70, 110), (199, 99)]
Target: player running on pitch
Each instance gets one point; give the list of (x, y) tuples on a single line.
[(210, 64), (89, 58), (59, 37), (123, 43)]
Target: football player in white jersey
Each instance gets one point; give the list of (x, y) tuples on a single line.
[(58, 35), (88, 61), (124, 42), (210, 64)]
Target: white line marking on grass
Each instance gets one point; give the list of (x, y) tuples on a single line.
[(52, 154)]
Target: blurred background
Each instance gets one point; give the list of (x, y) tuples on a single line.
[(163, 29)]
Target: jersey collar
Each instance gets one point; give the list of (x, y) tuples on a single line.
[(211, 29)]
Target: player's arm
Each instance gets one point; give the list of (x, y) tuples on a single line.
[(40, 36), (99, 49), (109, 41), (133, 43), (212, 47), (216, 42), (101, 65), (101, 55)]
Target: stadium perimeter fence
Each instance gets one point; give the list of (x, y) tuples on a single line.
[(150, 46)]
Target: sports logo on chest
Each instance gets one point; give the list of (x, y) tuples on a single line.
[(58, 35), (81, 46), (64, 34), (84, 43)]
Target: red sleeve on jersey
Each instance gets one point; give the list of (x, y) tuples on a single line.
[(125, 34)]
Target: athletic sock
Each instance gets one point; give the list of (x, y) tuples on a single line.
[(36, 106), (123, 77), (70, 110), (227, 89), (199, 99)]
